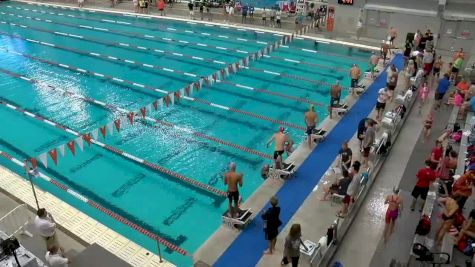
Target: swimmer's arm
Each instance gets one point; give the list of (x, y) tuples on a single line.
[(270, 140), (240, 180)]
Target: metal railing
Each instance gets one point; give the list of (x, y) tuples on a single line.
[(15, 221)]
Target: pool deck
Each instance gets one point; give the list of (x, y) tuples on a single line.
[(78, 223)]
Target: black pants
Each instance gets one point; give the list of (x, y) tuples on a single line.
[(295, 261)]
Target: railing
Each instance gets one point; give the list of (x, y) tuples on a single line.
[(15, 221), (324, 254)]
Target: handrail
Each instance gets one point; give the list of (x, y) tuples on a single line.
[(469, 122)]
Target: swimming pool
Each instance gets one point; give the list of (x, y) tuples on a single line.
[(43, 43)]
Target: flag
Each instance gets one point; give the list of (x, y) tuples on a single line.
[(207, 81), (61, 150), (110, 127), (131, 115), (34, 163), (155, 105), (44, 159), (117, 124), (54, 155), (160, 103), (167, 100), (80, 142), (143, 110), (187, 90), (223, 74), (95, 133), (177, 95), (103, 131), (72, 147), (87, 137)]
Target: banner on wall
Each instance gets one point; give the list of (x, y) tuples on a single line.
[(330, 18)]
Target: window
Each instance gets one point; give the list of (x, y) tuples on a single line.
[(377, 18)]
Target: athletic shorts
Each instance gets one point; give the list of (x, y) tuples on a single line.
[(439, 96), (347, 199), (420, 191), (455, 70), (380, 105), (309, 130), (436, 70), (391, 87), (366, 151), (334, 101), (354, 83), (278, 153), (233, 196)]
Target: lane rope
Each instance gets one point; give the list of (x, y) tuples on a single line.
[(133, 85), (148, 66), (170, 173), (133, 24), (125, 112), (97, 206)]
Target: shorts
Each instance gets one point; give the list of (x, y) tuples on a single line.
[(392, 39), (346, 199), (271, 233), (334, 101), (391, 215), (278, 21), (233, 196), (380, 105), (278, 153), (272, 18), (360, 136), (391, 87), (354, 83), (420, 191), (310, 130), (436, 70), (455, 70), (366, 151), (192, 12), (264, 19), (427, 67), (439, 96), (345, 166)]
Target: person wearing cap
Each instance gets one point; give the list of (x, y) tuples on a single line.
[(355, 74), (280, 139), (394, 202), (373, 62), (335, 93), (232, 179), (311, 120)]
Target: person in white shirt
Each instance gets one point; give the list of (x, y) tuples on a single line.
[(359, 28), (278, 17), (55, 258), (383, 96), (46, 227)]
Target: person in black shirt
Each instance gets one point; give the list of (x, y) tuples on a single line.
[(190, 8), (345, 156), (272, 223)]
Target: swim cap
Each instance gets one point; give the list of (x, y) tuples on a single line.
[(311, 106), (281, 129), (232, 165)]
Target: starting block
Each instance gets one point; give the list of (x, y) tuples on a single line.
[(318, 135), (239, 222), (340, 110)]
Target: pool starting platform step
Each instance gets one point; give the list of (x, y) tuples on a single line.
[(79, 224)]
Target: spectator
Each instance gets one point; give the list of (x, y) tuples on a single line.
[(368, 142), (395, 205), (446, 171), (425, 177), (442, 88), (427, 126), (278, 18), (438, 64), (462, 188), (208, 11), (361, 130), (457, 65), (80, 3), (343, 185), (468, 227), (337, 188), (345, 156), (427, 60), (355, 180), (244, 11), (272, 223), (359, 28), (191, 10), (202, 9), (161, 7), (410, 71), (436, 153), (251, 12), (264, 17), (136, 5), (231, 12), (55, 257), (383, 96), (292, 246), (393, 76), (272, 17), (459, 54), (423, 95), (450, 207), (46, 227), (407, 48)]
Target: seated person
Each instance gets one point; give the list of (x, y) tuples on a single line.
[(340, 187)]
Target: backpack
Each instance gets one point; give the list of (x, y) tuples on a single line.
[(423, 227)]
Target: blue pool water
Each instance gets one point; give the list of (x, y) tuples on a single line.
[(173, 210)]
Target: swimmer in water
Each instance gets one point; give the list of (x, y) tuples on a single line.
[(311, 120), (232, 179), (280, 139)]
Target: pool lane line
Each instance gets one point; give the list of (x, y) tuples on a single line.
[(160, 27), (143, 65), (194, 184), (352, 59), (97, 206), (128, 46), (133, 85), (146, 37), (151, 17), (147, 118), (303, 62)]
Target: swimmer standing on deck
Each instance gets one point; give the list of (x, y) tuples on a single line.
[(335, 93), (232, 179), (280, 139), (311, 120)]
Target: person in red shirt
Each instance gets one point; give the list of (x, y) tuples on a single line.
[(425, 177), (436, 154)]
